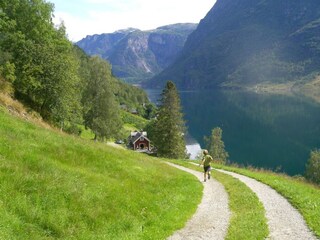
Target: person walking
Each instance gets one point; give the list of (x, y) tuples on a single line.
[(206, 162)]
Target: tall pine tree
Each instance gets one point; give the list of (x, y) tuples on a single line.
[(215, 146), (170, 126)]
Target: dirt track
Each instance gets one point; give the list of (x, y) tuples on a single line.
[(212, 216)]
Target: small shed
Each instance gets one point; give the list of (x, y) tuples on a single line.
[(138, 141)]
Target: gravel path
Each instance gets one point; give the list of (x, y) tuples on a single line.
[(284, 221), (211, 219)]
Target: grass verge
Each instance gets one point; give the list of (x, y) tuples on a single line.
[(248, 215), (248, 219), (55, 186), (303, 196)]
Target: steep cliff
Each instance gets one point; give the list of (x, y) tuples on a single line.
[(248, 42), (138, 55)]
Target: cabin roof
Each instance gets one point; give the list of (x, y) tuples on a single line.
[(135, 136)]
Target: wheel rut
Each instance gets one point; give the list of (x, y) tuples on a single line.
[(284, 221), (211, 219)]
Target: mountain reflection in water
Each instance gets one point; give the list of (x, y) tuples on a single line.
[(268, 131)]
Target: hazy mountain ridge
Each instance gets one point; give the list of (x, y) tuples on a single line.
[(138, 55), (248, 42)]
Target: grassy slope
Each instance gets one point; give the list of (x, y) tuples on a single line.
[(303, 196), (248, 215), (135, 120), (57, 186)]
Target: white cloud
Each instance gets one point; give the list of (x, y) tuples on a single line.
[(77, 28), (105, 16)]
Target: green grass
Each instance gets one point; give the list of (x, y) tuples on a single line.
[(133, 120), (248, 215), (55, 186), (86, 133), (303, 196)]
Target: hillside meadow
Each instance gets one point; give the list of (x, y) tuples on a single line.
[(54, 185), (57, 186)]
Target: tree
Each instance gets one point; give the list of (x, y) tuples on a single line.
[(43, 69), (7, 76), (150, 111), (313, 167), (169, 125), (102, 114), (215, 146), (7, 68), (131, 96), (42, 58)]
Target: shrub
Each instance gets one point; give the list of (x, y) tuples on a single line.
[(74, 129), (313, 167)]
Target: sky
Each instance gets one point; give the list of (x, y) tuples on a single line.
[(88, 17)]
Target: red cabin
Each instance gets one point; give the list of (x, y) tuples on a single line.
[(138, 141)]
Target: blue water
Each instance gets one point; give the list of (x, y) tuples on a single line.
[(270, 131)]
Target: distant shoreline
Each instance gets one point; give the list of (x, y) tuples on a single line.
[(309, 90)]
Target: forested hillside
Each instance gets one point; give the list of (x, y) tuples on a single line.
[(138, 55), (249, 42), (40, 67)]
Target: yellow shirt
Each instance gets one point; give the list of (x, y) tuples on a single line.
[(206, 160)]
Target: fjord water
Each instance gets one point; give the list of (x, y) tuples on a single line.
[(263, 130)]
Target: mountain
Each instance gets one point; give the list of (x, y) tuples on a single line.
[(243, 43), (138, 55)]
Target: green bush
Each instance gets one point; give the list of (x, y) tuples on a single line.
[(74, 129), (313, 167)]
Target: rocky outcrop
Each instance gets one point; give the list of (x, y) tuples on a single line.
[(138, 55)]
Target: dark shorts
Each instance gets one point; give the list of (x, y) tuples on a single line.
[(206, 169)]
